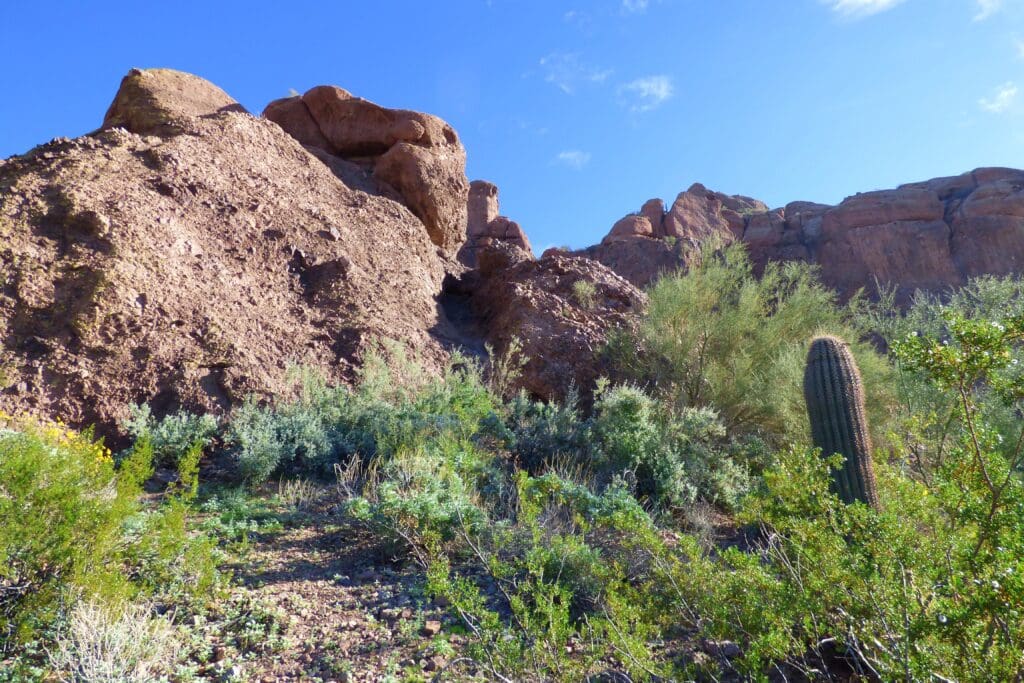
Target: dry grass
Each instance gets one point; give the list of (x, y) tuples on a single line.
[(104, 645)]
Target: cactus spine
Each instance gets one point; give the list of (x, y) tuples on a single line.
[(834, 393)]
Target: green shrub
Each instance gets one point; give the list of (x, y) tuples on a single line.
[(717, 336), (172, 436), (927, 589), (925, 408), (585, 294), (674, 460), (61, 512), (388, 411), (539, 434)]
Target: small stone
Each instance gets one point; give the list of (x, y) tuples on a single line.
[(434, 663), (219, 653), (431, 628)]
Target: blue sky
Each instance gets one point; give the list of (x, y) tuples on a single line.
[(579, 111)]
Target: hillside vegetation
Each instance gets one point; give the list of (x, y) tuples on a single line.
[(684, 527)]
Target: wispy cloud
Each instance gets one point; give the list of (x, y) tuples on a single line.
[(856, 9), (1019, 44), (567, 72), (573, 158), (646, 93), (986, 8), (634, 5), (1001, 100)]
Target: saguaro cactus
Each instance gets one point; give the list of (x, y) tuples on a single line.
[(834, 393)]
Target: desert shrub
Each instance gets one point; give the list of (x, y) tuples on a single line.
[(585, 293), (104, 645), (61, 514), (560, 583), (390, 409), (427, 494), (925, 408), (539, 433), (718, 336), (165, 559), (171, 436), (674, 459), (924, 589), (78, 548), (252, 433)]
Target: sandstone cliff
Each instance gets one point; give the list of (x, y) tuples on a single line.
[(930, 235)]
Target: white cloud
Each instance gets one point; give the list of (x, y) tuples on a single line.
[(646, 93), (855, 9), (1002, 99), (567, 72), (573, 158), (986, 8), (634, 5)]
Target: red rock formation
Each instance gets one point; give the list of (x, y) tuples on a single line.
[(539, 302), (930, 235), (486, 227), (418, 155), (190, 270)]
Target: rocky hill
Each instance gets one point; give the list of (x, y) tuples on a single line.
[(929, 235), (187, 253)]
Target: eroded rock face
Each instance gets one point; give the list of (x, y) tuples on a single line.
[(487, 227), (562, 328), (191, 270), (418, 155), (930, 235)]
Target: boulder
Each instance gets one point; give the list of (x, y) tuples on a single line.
[(431, 188), (482, 207), (699, 214), (417, 155), (630, 227), (654, 211), (538, 302), (163, 101), (486, 227), (292, 114)]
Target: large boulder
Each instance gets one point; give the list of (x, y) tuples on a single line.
[(699, 214), (138, 264), (418, 155), (561, 309), (164, 101)]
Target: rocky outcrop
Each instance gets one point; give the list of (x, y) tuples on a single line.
[(486, 226), (164, 101), (561, 308), (930, 235), (191, 270), (417, 155)]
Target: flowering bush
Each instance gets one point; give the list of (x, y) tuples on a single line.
[(62, 506)]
